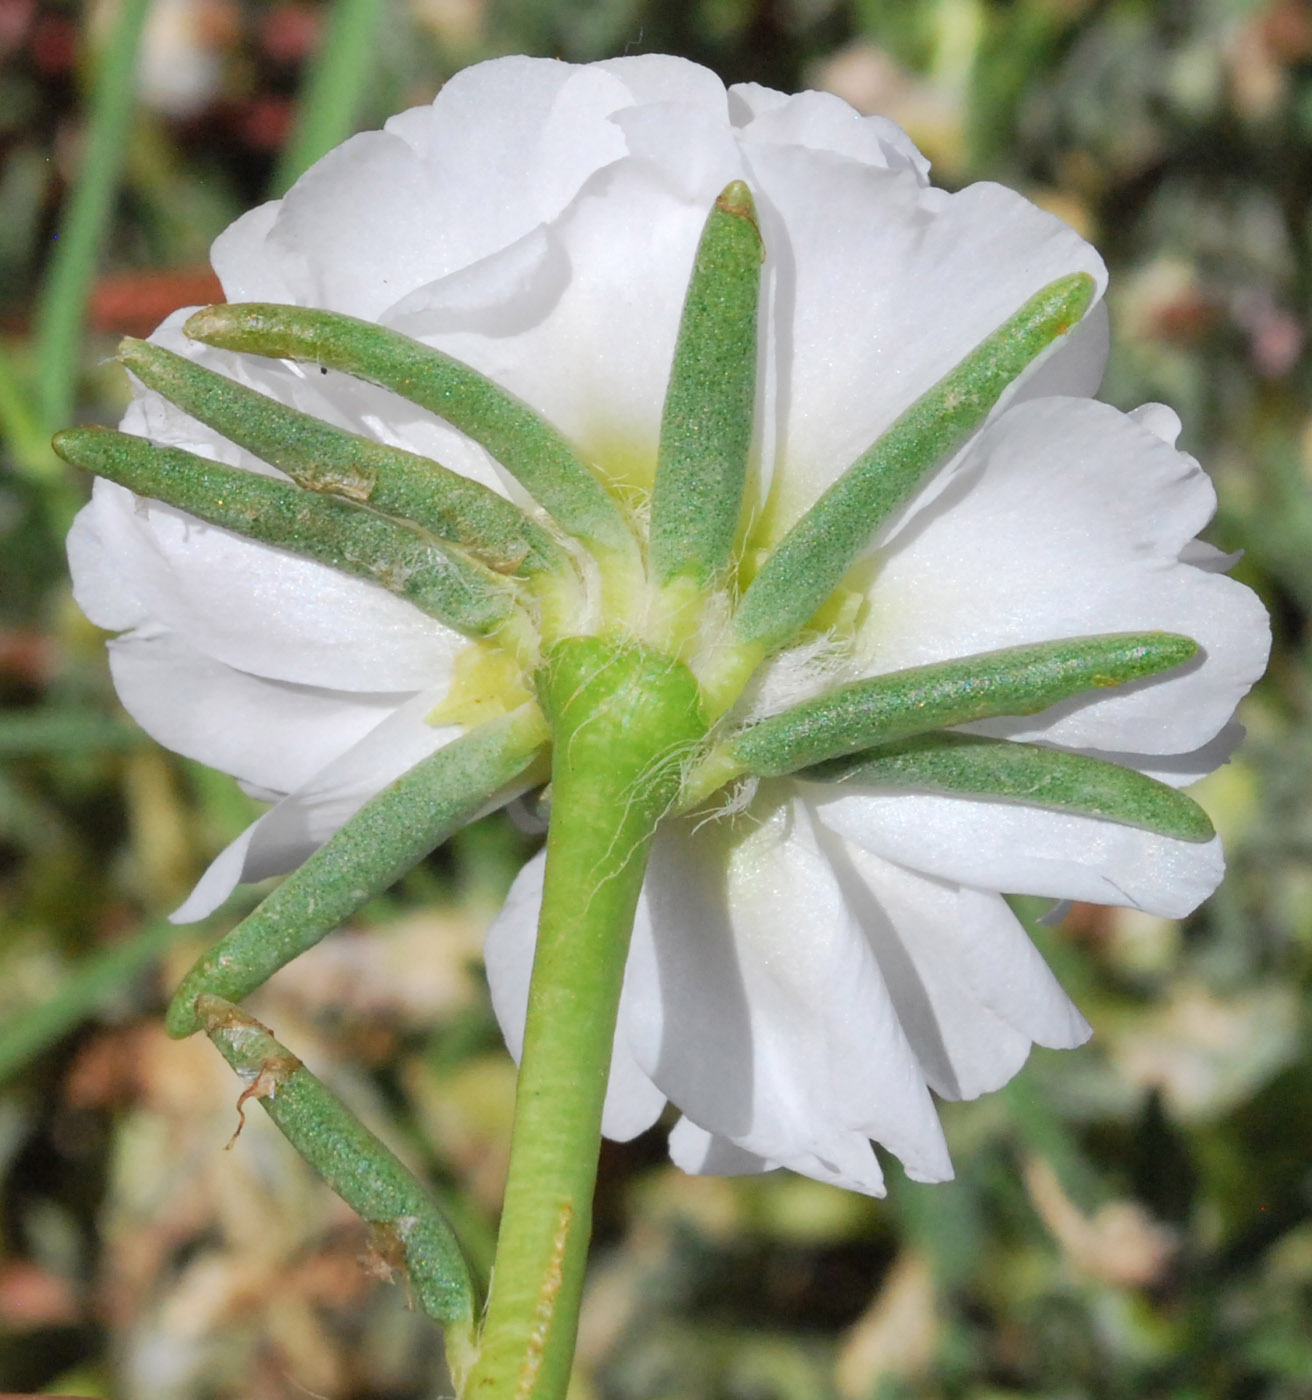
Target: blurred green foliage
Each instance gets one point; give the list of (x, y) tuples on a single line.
[(1130, 1220)]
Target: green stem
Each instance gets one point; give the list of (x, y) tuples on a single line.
[(623, 717), (21, 427), (328, 109), (82, 230)]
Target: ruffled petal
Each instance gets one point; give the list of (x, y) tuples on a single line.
[(296, 827), (505, 146), (1064, 519), (240, 257), (658, 77), (99, 587), (764, 1016), (265, 611), (699, 1153), (879, 288), (819, 121), (594, 357), (268, 733), (1025, 850), (927, 936)]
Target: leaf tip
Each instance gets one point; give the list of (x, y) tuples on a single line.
[(1075, 293), (1172, 649), (736, 198), (64, 444), (1196, 825), (208, 322), (130, 350)]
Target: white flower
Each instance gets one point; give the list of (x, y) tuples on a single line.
[(806, 971)]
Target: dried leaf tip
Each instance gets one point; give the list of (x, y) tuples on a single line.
[(736, 198), (209, 320)]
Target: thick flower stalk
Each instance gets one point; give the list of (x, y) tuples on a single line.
[(689, 451)]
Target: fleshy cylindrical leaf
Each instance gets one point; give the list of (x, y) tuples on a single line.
[(410, 1231), (1014, 681), (345, 536), (320, 457), (389, 835), (966, 765), (527, 446), (706, 431), (807, 566)]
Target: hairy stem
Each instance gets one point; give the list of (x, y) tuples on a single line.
[(623, 718)]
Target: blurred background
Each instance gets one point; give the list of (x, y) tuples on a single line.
[(1129, 1220)]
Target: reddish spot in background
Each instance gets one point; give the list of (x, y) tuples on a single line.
[(290, 32), (134, 303), (54, 49)]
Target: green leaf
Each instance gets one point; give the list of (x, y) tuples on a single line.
[(81, 240), (525, 444), (706, 431), (966, 765), (327, 112), (809, 563), (347, 537), (320, 457), (408, 1226), (389, 835), (1014, 681)]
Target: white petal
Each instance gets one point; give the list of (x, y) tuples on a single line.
[(1025, 850), (508, 952), (1163, 422), (878, 288), (241, 257), (263, 610), (596, 360), (1076, 367), (98, 584), (763, 1015), (511, 142), (656, 77), (269, 733), (505, 146), (747, 101), (633, 1103), (699, 1153), (1065, 519), (927, 935), (819, 121), (692, 147), (293, 830)]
